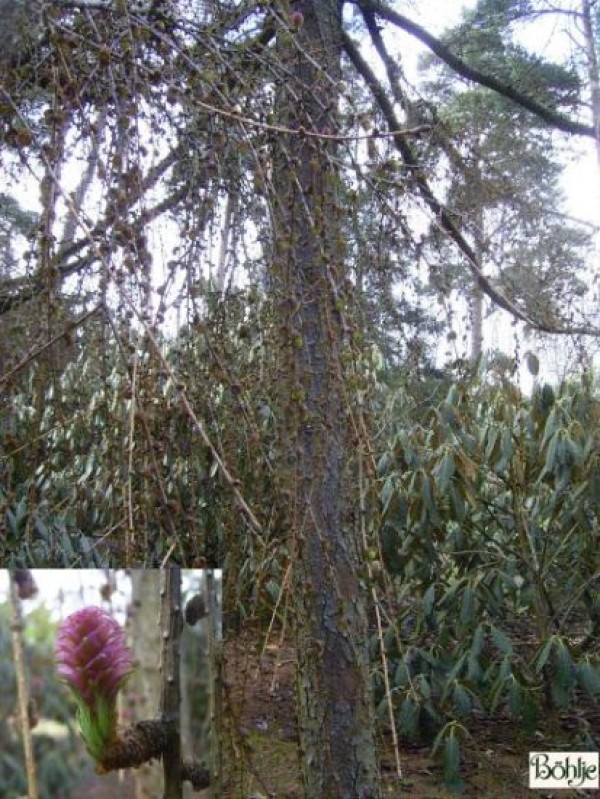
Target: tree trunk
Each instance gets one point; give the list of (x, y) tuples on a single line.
[(171, 626), (476, 322), (592, 65), (334, 698), (23, 700), (144, 683)]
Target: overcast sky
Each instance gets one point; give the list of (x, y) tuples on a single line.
[(65, 590)]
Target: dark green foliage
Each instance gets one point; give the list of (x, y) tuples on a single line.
[(66, 470), (14, 222), (490, 530), (447, 748), (486, 41)]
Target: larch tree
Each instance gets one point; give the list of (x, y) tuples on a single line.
[(309, 284), (243, 436)]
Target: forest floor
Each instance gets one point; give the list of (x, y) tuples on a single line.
[(260, 743)]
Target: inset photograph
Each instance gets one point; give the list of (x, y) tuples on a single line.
[(111, 684)]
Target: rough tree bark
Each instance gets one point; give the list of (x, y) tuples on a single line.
[(144, 683), (171, 625), (307, 277), (477, 301)]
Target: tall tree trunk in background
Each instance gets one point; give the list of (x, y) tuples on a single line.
[(593, 70), (476, 302), (334, 698), (144, 683), (171, 626), (23, 699)]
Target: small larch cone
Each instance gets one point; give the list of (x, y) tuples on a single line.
[(94, 660), (136, 745), (26, 586), (145, 741)]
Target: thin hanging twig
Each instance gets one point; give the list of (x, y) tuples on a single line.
[(22, 688)]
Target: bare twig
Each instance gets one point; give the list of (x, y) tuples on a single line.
[(130, 532), (22, 689), (31, 356), (205, 438)]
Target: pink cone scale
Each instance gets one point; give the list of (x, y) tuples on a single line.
[(94, 660)]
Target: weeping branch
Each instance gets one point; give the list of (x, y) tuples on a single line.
[(72, 258)]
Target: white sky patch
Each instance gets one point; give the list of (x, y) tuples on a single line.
[(63, 591)]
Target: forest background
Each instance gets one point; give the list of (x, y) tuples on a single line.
[(245, 326)]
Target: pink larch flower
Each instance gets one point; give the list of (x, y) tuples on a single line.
[(94, 660), (92, 655), (297, 19)]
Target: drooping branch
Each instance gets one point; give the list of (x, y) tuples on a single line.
[(200, 428), (31, 356), (17, 291), (83, 188), (553, 118), (73, 257), (442, 214)]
